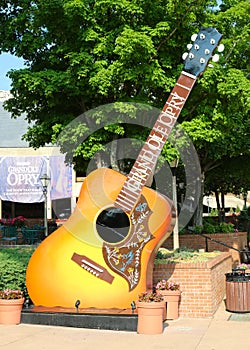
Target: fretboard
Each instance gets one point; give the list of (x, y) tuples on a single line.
[(147, 158)]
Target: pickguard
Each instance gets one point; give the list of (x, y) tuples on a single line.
[(125, 258)]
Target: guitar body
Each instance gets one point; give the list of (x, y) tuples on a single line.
[(103, 255), (74, 263)]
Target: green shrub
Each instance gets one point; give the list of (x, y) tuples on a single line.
[(214, 212), (13, 265), (182, 231), (244, 220), (160, 255), (183, 253), (198, 229), (225, 228), (237, 209), (209, 220), (209, 228)]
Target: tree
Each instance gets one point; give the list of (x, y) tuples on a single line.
[(83, 54), (221, 123), (236, 180)]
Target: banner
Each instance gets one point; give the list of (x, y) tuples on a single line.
[(61, 178), (19, 179)]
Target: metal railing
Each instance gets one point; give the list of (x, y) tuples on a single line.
[(244, 251)]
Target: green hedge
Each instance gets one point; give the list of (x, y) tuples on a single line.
[(13, 265), (212, 226)]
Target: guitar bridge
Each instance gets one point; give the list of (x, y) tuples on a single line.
[(92, 267)]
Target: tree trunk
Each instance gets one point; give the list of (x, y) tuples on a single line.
[(198, 214), (218, 206), (98, 160), (222, 206), (113, 154), (217, 200)]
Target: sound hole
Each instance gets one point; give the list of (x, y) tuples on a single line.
[(113, 225)]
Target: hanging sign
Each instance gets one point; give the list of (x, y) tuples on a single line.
[(20, 179), (60, 178)]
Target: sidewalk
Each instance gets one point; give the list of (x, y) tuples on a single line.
[(189, 334)]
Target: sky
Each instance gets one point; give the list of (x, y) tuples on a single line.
[(8, 62)]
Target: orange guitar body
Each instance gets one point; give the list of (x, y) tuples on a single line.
[(103, 255), (55, 279)]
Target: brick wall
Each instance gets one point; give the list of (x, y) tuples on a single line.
[(236, 240), (203, 285)]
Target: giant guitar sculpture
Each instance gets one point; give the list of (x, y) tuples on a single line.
[(103, 255)]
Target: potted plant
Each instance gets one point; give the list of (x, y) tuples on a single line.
[(11, 303), (243, 267), (150, 306), (18, 221), (171, 294)]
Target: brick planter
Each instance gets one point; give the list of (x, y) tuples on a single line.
[(203, 285), (237, 240)]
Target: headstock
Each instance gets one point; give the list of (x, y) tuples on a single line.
[(201, 51)]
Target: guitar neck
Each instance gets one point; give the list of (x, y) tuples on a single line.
[(147, 158)]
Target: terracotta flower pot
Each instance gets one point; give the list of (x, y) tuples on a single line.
[(171, 309), (150, 317), (10, 311)]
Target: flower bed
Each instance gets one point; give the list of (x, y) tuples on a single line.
[(203, 284), (237, 240)]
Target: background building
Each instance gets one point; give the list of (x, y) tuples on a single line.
[(21, 167)]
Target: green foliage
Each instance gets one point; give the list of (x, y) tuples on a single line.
[(13, 264), (84, 54), (231, 176), (160, 255), (237, 210), (182, 254), (225, 228), (209, 228), (208, 220), (244, 220), (212, 226), (198, 229), (213, 212), (182, 231)]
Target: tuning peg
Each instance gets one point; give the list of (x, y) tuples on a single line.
[(193, 37), (215, 58), (221, 48), (189, 46), (184, 56)]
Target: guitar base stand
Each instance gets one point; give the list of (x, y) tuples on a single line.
[(92, 318)]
